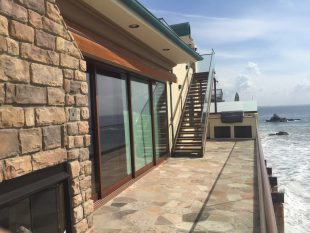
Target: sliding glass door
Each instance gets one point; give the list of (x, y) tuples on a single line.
[(128, 126), (160, 119), (142, 122), (114, 132)]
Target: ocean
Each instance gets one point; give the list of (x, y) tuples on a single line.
[(289, 157)]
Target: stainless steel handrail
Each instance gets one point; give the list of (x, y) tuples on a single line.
[(268, 221)]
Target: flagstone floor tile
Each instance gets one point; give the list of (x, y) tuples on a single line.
[(216, 193)]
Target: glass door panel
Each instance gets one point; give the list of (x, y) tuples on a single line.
[(160, 119), (113, 128), (142, 123)]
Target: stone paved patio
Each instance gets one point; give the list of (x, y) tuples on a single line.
[(212, 194)]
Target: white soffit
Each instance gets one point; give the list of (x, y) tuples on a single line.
[(123, 17)]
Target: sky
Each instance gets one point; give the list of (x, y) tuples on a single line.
[(262, 46)]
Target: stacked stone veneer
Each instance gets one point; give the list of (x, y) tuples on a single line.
[(43, 100)]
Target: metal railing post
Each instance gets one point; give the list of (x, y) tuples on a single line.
[(207, 98)]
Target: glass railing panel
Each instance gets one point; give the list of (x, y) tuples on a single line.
[(209, 60), (204, 65)]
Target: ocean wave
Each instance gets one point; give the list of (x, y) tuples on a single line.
[(289, 157)]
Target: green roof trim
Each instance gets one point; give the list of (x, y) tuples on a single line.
[(145, 14), (182, 29)]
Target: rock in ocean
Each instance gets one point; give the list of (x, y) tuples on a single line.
[(280, 133)]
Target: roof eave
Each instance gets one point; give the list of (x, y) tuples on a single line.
[(152, 20)]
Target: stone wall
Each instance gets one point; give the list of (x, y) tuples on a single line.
[(43, 100)]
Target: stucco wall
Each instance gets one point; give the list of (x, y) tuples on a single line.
[(43, 100), (181, 71)]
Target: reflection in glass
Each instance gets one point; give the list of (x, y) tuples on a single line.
[(160, 119), (42, 212), (142, 123), (19, 216), (114, 128), (4, 218)]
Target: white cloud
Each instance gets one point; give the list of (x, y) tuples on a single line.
[(222, 54), (242, 80), (184, 15), (243, 83), (262, 50), (294, 54), (253, 68), (219, 30), (288, 3), (231, 30), (301, 88)]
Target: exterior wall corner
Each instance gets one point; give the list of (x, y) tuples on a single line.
[(43, 92)]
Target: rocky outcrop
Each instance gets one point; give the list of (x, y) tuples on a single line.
[(280, 133), (276, 118)]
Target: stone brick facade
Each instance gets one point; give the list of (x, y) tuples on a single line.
[(43, 100)]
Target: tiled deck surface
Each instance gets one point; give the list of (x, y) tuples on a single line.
[(213, 194)]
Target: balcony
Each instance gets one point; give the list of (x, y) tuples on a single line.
[(216, 193)]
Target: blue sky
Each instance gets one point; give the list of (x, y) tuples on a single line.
[(262, 47)]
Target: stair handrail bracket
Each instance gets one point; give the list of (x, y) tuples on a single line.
[(268, 223), (206, 103)]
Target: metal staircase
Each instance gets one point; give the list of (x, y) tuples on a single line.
[(189, 135), (192, 129)]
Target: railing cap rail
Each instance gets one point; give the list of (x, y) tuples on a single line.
[(268, 211)]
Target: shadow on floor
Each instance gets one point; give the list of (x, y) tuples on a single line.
[(232, 203)]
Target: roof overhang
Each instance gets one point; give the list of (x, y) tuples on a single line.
[(151, 31), (99, 52)]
